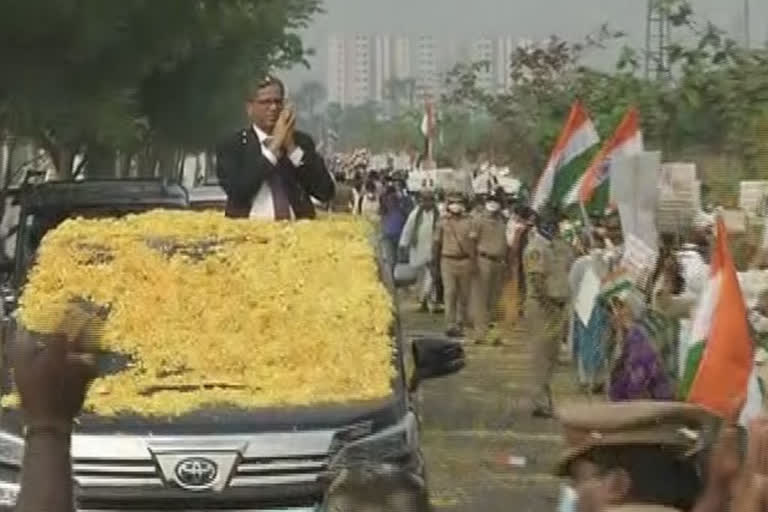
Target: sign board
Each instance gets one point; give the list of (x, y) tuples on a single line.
[(509, 184), (634, 189), (753, 197), (735, 221), (447, 180), (679, 197), (402, 162), (378, 162), (484, 183), (419, 180)]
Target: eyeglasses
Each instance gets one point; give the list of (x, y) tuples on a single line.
[(267, 102)]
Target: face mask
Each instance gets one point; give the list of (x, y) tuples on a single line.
[(492, 206), (371, 195), (456, 208), (568, 499)]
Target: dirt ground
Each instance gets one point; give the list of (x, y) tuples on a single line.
[(484, 451)]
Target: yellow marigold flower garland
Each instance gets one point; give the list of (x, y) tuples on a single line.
[(219, 311)]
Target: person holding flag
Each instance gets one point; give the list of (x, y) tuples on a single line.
[(720, 372)]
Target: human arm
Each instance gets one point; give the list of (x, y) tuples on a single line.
[(310, 169), (437, 242), (52, 379), (722, 471)]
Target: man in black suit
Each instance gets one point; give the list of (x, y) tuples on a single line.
[(270, 170)]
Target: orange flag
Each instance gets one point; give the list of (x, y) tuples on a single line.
[(721, 381)]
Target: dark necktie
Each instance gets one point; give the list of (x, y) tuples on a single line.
[(279, 199)]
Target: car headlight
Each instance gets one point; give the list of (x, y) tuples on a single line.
[(9, 495), (11, 455), (11, 450), (390, 445)]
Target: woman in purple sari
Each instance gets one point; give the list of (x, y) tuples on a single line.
[(637, 372)]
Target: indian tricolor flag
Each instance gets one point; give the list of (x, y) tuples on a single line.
[(720, 370), (627, 140), (577, 136)]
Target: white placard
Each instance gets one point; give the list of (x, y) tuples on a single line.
[(638, 260), (634, 188)]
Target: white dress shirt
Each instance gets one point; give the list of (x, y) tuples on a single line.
[(263, 205)]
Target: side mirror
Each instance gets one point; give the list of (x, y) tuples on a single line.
[(405, 275), (435, 357)]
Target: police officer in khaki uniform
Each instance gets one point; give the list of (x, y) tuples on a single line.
[(491, 265), (455, 246), (545, 264), (633, 456)]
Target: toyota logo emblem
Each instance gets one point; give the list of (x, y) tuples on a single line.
[(196, 473)]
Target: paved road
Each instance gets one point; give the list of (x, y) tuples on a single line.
[(476, 420)]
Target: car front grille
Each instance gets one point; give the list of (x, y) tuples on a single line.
[(278, 471), (116, 473)]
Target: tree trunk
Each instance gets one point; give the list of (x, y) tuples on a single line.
[(62, 156), (101, 162)]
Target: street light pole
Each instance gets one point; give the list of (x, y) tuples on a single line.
[(747, 38)]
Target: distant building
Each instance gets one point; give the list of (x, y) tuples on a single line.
[(383, 70), (402, 58), (350, 63), (361, 67), (497, 55), (360, 85), (427, 68), (337, 70), (505, 47), (482, 52)]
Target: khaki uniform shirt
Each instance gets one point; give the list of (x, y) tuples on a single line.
[(491, 236), (564, 256), (546, 269), (456, 236)]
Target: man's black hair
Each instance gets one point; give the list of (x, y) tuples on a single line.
[(659, 475), (265, 81)]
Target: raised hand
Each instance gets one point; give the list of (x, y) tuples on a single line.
[(52, 376), (281, 131), (290, 143)]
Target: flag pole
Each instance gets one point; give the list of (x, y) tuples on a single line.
[(587, 223), (430, 133)]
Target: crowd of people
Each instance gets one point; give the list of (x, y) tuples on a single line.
[(491, 263)]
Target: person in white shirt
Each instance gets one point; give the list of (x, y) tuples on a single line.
[(416, 246), (270, 170)]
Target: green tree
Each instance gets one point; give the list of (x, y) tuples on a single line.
[(148, 78), (308, 99)]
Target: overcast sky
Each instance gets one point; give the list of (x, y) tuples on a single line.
[(530, 19)]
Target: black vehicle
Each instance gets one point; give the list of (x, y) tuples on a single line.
[(217, 458)]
